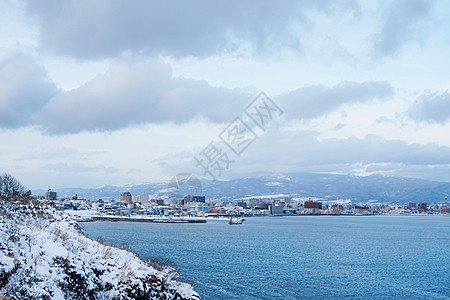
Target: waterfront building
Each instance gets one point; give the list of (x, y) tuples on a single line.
[(422, 207), (276, 210), (336, 209), (311, 204), (126, 198), (197, 206), (411, 205)]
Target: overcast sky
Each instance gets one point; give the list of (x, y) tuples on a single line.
[(125, 92)]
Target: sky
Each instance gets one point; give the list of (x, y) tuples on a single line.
[(113, 92)]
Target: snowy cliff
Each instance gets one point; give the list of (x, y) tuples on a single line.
[(43, 255)]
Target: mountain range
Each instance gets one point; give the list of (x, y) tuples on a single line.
[(377, 188)]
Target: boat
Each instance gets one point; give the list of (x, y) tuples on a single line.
[(236, 221)]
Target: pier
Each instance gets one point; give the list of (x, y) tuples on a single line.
[(144, 219)]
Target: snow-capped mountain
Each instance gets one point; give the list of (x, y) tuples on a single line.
[(330, 186)]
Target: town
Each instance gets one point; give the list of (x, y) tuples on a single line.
[(143, 205)]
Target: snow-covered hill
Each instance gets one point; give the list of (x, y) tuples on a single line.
[(331, 186), (43, 255)]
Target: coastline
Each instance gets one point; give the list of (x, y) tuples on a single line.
[(45, 255)]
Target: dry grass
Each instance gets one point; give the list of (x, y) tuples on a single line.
[(106, 252), (59, 234)]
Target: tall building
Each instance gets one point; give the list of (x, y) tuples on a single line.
[(50, 195), (143, 198), (411, 205), (201, 199), (126, 198), (422, 207)]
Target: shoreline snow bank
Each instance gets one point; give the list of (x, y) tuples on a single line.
[(44, 255)]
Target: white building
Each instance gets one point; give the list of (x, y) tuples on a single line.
[(143, 198)]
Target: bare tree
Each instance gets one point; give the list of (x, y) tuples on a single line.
[(10, 186)]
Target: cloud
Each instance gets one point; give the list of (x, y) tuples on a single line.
[(316, 100), (402, 23), (338, 127), (78, 168), (87, 30), (50, 152), (306, 152), (432, 107), (139, 93), (373, 149), (24, 89), (144, 92)]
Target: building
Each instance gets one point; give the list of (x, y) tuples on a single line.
[(126, 198), (242, 204), (422, 207), (311, 204), (197, 207), (336, 209), (143, 198), (51, 195), (201, 199), (411, 205), (276, 210)]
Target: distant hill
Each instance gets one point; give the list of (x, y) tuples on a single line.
[(328, 186)]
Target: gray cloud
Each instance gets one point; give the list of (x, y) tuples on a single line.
[(432, 107), (402, 23), (338, 126), (24, 89), (313, 101), (143, 92), (304, 151), (139, 93), (87, 30)]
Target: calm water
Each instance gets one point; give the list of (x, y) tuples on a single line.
[(322, 257)]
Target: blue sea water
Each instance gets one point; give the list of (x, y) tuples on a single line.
[(323, 257)]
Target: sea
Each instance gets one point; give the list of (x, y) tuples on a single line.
[(299, 257)]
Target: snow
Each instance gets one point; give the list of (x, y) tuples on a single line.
[(272, 196), (274, 183), (43, 254)]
